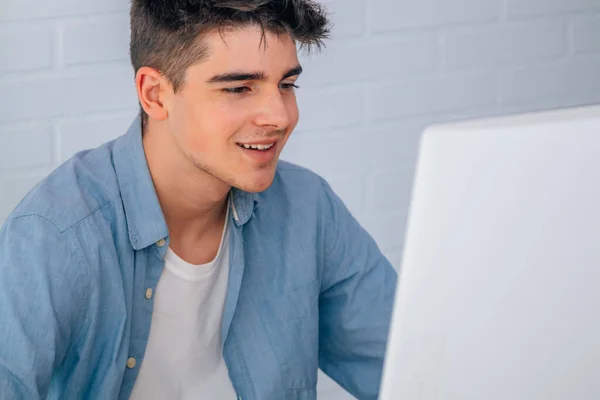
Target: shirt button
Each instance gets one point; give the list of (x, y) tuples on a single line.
[(149, 293), (161, 242), (131, 362)]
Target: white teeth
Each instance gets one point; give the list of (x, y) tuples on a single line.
[(257, 146)]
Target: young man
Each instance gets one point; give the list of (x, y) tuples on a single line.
[(182, 260)]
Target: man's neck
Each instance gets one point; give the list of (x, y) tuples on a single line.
[(193, 202)]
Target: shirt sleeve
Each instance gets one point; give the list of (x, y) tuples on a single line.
[(41, 299), (355, 304)]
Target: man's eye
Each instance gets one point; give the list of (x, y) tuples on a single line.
[(288, 86), (237, 90)]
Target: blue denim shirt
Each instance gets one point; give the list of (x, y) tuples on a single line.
[(307, 288)]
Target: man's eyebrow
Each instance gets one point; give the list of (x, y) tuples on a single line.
[(236, 76), (297, 70)]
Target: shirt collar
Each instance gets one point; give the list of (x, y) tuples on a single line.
[(243, 205), (145, 219)]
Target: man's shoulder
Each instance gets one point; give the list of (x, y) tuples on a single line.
[(73, 191)]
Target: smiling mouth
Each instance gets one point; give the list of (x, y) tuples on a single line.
[(257, 147)]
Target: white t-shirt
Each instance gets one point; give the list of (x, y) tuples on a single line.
[(184, 354)]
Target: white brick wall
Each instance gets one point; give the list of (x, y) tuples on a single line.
[(393, 67), (545, 7), (395, 15), (585, 34)]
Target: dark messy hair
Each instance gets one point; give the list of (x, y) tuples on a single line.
[(167, 34)]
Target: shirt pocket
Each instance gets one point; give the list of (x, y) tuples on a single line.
[(291, 323)]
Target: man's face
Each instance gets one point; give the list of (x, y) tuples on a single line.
[(237, 107)]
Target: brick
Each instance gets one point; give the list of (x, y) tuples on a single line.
[(98, 41), (348, 17), (586, 34), (25, 146), (344, 62), (30, 100), (326, 385), (483, 111), (390, 15), (511, 42), (391, 189), (357, 150), (12, 191), (541, 7), (432, 95), (330, 109), (388, 230), (352, 190), (562, 79), (530, 106), (80, 135), (394, 256), (590, 98), (44, 98), (25, 48), (336, 393), (30, 9)]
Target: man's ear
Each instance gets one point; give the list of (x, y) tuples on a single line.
[(152, 87)]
